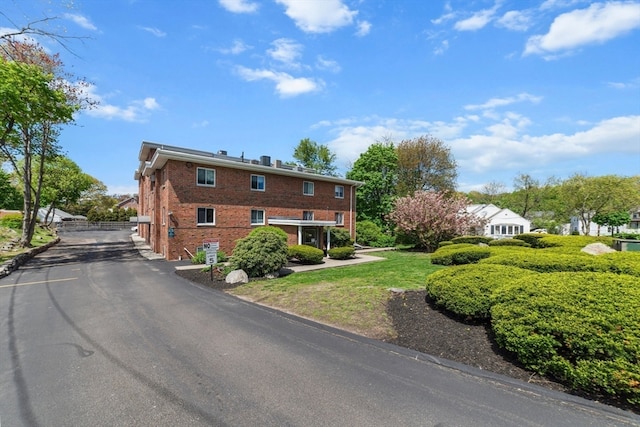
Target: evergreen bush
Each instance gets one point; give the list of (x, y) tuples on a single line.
[(474, 240), (457, 254), (581, 328), (12, 220), (263, 251), (466, 290), (306, 254), (344, 252), (339, 237), (509, 242)]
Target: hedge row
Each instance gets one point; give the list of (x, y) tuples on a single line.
[(509, 242), (344, 252), (466, 289), (581, 328), (546, 262), (457, 254)]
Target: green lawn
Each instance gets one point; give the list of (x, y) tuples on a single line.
[(41, 237), (352, 297)]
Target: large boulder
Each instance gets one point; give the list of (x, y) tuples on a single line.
[(237, 276), (597, 249)]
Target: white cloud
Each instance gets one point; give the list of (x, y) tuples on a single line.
[(286, 85), (515, 20), (447, 16), (155, 31), (501, 102), (237, 47), (364, 27), (632, 84), (239, 6), (286, 51), (327, 64), (136, 111), (318, 16), (441, 48), (477, 21), (598, 23), (82, 21)]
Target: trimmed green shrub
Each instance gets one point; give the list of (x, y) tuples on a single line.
[(573, 242), (445, 243), (339, 237), (269, 229), (458, 254), (623, 262), (369, 234), (509, 242), (474, 240), (306, 254), (201, 257), (344, 252), (630, 236), (549, 262), (534, 239), (581, 328), (261, 252), (466, 290), (13, 221)]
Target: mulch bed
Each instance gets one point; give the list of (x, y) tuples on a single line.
[(421, 326)]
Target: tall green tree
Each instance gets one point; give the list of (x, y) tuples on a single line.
[(37, 99), (10, 197), (612, 220), (425, 164), (63, 183), (378, 169), (315, 156), (586, 197)]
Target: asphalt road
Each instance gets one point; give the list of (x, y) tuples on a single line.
[(92, 334)]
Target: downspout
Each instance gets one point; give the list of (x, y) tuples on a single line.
[(299, 234)]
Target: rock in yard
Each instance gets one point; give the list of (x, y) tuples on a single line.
[(597, 249), (237, 276)]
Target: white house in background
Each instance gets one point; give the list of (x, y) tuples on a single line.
[(501, 223)]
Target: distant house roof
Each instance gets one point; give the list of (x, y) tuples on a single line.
[(58, 215), (127, 201)]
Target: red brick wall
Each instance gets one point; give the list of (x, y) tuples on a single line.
[(175, 189)]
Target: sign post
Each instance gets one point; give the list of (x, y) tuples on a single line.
[(211, 247)]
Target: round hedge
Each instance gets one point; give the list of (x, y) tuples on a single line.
[(581, 328), (550, 262), (306, 254), (262, 252), (458, 254), (509, 242), (466, 290), (344, 252)]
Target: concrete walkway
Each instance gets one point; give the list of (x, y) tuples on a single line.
[(362, 255)]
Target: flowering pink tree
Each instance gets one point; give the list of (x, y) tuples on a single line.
[(432, 217)]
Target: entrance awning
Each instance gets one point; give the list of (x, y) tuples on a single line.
[(301, 222)]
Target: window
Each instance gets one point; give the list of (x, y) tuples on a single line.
[(257, 182), (206, 216), (257, 217), (207, 177), (339, 192), (307, 188), (339, 218), (307, 215)]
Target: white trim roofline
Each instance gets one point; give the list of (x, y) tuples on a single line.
[(165, 153)]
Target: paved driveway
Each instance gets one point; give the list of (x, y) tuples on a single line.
[(91, 333)]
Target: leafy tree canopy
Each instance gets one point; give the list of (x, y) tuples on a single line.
[(425, 164), (315, 156)]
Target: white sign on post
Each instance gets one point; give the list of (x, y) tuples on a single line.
[(211, 247)]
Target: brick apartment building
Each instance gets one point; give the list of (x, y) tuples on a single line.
[(188, 196)]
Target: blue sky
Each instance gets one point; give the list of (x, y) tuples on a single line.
[(546, 88)]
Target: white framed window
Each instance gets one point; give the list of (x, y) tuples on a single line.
[(206, 216), (307, 188), (257, 182), (257, 217), (307, 215), (206, 177), (339, 191), (339, 218)]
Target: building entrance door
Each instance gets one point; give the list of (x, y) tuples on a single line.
[(310, 236)]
